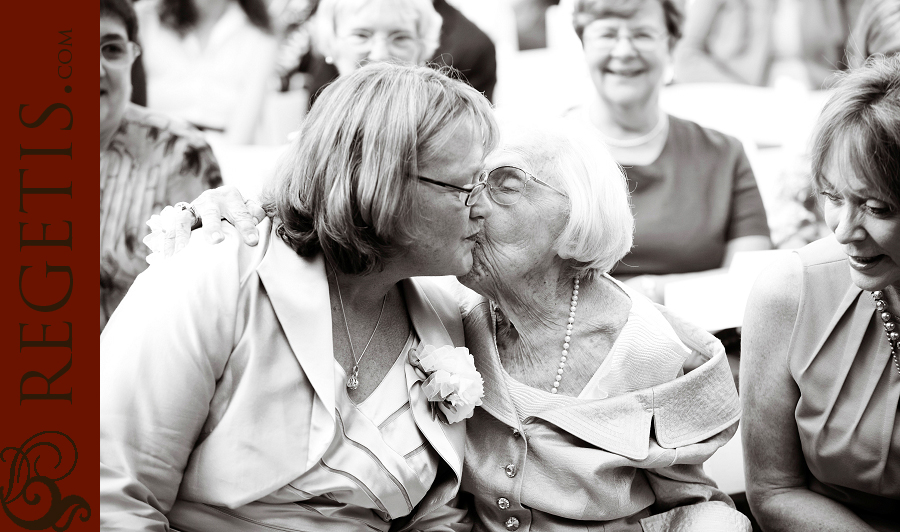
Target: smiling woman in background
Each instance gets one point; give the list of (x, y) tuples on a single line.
[(147, 159), (695, 199), (820, 369), (351, 33)]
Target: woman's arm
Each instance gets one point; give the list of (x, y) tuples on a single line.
[(654, 286), (775, 468), (160, 357), (687, 499)]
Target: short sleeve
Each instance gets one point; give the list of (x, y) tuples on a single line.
[(748, 215)]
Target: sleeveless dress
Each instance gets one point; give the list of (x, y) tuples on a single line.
[(847, 418)]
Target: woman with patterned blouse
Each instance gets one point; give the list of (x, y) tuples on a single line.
[(147, 160)]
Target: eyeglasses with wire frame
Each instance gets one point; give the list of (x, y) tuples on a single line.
[(118, 53), (505, 185)]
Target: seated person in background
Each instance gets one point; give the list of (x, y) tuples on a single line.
[(877, 31), (208, 62), (820, 368), (694, 195), (764, 42), (147, 160), (459, 42)]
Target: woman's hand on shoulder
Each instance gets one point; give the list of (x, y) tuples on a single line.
[(227, 203), (171, 228)]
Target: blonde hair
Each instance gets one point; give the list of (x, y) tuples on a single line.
[(428, 23), (600, 226), (859, 128), (347, 186)]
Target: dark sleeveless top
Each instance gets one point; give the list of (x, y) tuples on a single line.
[(847, 416)]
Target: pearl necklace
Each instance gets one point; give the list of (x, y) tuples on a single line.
[(565, 350), (661, 124), (890, 326)]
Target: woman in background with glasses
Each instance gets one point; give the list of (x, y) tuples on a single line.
[(695, 198), (147, 160)]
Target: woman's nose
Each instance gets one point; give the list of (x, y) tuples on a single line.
[(483, 207), (623, 47), (848, 228), (380, 51)]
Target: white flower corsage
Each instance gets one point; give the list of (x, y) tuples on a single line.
[(163, 226), (450, 380)]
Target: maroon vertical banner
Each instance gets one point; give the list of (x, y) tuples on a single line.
[(49, 244)]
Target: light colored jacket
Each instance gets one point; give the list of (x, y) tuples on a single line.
[(217, 385), (629, 462)]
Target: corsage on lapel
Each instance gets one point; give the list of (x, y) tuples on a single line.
[(451, 381)]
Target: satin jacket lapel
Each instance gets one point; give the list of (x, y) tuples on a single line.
[(298, 290), (448, 440), (480, 326)]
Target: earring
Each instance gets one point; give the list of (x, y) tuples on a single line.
[(329, 60)]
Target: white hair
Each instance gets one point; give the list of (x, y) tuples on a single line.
[(428, 22), (600, 228)]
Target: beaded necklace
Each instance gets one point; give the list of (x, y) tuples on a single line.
[(569, 326), (890, 325)]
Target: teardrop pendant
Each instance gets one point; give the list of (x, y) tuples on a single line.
[(353, 381)]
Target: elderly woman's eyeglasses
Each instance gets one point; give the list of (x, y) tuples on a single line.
[(606, 38), (468, 194), (397, 43), (119, 53), (507, 184)]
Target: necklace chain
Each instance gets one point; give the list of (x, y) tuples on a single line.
[(353, 380), (573, 306), (637, 141), (890, 325)]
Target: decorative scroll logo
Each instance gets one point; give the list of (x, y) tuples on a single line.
[(32, 500)]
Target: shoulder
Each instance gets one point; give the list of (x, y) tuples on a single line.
[(699, 138), (160, 126), (821, 252)]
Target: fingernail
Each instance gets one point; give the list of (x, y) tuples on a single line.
[(216, 237), (252, 238)]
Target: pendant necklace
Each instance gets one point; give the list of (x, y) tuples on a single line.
[(569, 326), (890, 325), (353, 380)]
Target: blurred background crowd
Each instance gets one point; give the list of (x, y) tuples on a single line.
[(708, 105)]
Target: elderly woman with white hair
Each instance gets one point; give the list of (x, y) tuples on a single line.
[(351, 33), (588, 419)]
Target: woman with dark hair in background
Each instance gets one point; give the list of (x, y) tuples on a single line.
[(695, 199), (208, 62), (820, 371), (147, 159)]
